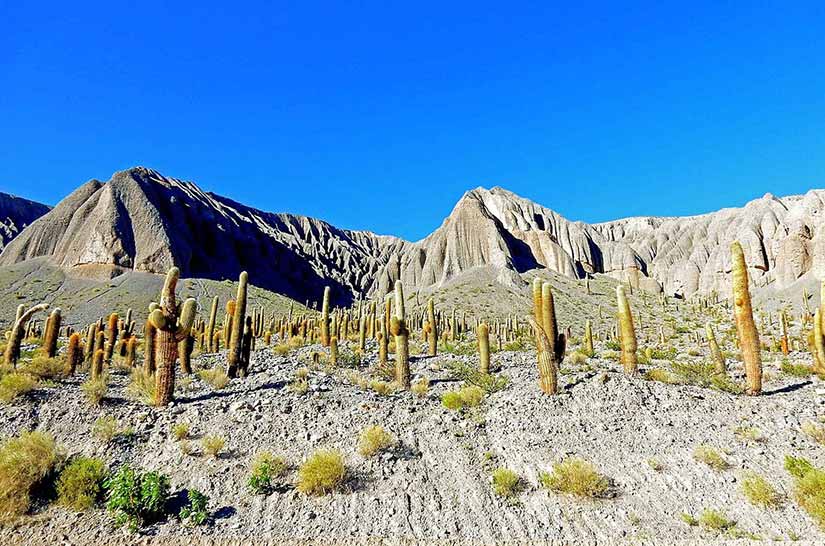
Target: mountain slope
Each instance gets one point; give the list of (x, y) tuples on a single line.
[(143, 221), (15, 214)]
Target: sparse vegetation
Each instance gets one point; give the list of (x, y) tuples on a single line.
[(796, 369), (374, 439), (710, 456), (180, 431), (575, 476), (421, 387), (506, 483), (136, 499), (815, 431), (24, 461), (105, 428), (142, 387), (467, 397), (212, 445), (194, 512), (14, 385), (809, 487), (321, 473), (715, 520), (80, 485), (215, 377), (759, 492), (95, 390), (265, 469)]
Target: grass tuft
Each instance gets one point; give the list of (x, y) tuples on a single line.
[(809, 487), (265, 469), (322, 472), (180, 431), (215, 377), (142, 387), (711, 457), (24, 461), (95, 390), (575, 476), (374, 439), (817, 432), (759, 492), (506, 483), (80, 485), (212, 445), (466, 397), (14, 385)]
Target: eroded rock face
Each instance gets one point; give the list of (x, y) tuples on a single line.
[(15, 214), (141, 220)]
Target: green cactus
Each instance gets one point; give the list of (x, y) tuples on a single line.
[(398, 328), (149, 348), (588, 338), (715, 353), (557, 341), (172, 325)]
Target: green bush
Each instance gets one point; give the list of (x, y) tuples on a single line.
[(195, 513), (136, 499), (81, 483), (24, 462), (264, 470), (466, 397)]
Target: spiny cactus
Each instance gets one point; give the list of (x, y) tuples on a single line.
[(18, 330), (537, 308), (715, 353), (816, 340), (748, 335), (172, 324), (185, 347), (210, 326), (111, 337), (783, 325), (557, 342), (628, 332), (432, 335), (246, 347), (97, 364), (52, 331), (325, 317), (333, 350), (149, 348), (483, 334), (131, 352), (398, 328), (548, 374), (235, 348), (89, 349), (588, 338), (74, 355)]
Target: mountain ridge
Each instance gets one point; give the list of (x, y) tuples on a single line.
[(143, 220)]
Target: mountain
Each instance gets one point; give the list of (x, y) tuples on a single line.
[(15, 214), (141, 220)]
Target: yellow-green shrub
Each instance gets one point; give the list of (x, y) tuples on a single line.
[(24, 461), (81, 483), (322, 472)]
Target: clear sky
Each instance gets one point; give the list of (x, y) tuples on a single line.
[(379, 115)]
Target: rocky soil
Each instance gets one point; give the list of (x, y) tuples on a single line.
[(435, 485)]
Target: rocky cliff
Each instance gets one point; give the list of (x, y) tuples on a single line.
[(141, 220), (15, 214)]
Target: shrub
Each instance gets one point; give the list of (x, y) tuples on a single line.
[(506, 483), (42, 367), (715, 520), (575, 476), (809, 487), (24, 462), (299, 386), (759, 492), (180, 431), (95, 390), (215, 377), (466, 397), (749, 434), (212, 445), (105, 428), (15, 384), (194, 513), (421, 387), (81, 483), (796, 369), (711, 457), (281, 349), (815, 431), (384, 388), (578, 358), (374, 439), (489, 383), (136, 499), (264, 470), (142, 387), (661, 375), (322, 472)]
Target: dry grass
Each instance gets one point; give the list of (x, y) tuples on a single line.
[(374, 439), (105, 427), (711, 457), (95, 390), (575, 476), (384, 388), (421, 387), (24, 462), (142, 387), (466, 397), (506, 483), (759, 492), (715, 520), (281, 349), (212, 445), (215, 377), (809, 487), (661, 375), (815, 431), (44, 368), (180, 431), (80, 485), (322, 472), (14, 385), (265, 468)]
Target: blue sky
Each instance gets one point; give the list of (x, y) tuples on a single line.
[(379, 115)]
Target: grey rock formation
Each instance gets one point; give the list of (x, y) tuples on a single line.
[(143, 221), (15, 214)]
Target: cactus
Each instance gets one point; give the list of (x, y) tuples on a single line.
[(588, 338), (627, 332), (333, 350), (131, 352), (172, 324), (89, 349), (97, 364), (432, 335), (556, 341), (235, 347), (398, 328), (382, 344), (210, 327), (816, 340), (149, 348), (111, 337), (783, 325), (483, 334), (52, 331), (537, 309), (74, 355), (247, 344), (362, 333), (18, 330), (548, 374), (715, 353), (748, 335), (185, 347), (325, 318)]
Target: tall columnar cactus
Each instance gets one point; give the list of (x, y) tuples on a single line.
[(588, 338), (333, 350), (748, 335), (362, 333), (89, 349), (483, 334), (111, 337), (325, 317), (210, 326), (131, 352), (97, 364), (246, 347), (537, 308), (816, 340), (783, 325), (627, 332), (398, 328), (18, 330), (185, 347), (715, 353), (74, 355), (432, 335), (235, 347), (52, 331), (149, 333), (548, 373), (172, 324), (557, 342), (382, 344)]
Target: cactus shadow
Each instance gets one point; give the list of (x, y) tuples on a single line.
[(787, 388)]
